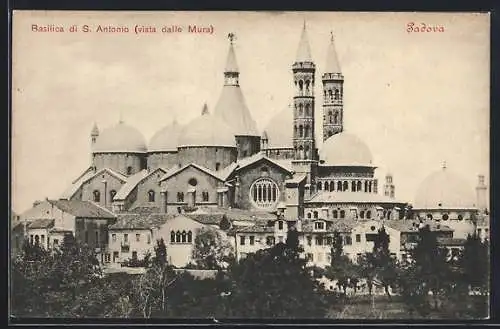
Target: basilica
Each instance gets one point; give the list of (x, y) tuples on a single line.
[(220, 160)]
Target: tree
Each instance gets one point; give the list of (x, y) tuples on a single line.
[(211, 250), (273, 282), (384, 265), (474, 263), (225, 224), (341, 267), (151, 288)]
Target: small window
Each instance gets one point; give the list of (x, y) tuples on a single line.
[(97, 237), (113, 237), (204, 196), (180, 197), (335, 214), (97, 196), (151, 196), (193, 182), (309, 257), (460, 217), (309, 240), (358, 237), (362, 214), (319, 240), (217, 166), (308, 215), (319, 225), (190, 237), (134, 254), (270, 240), (242, 240), (280, 225), (112, 194), (429, 216), (342, 214), (138, 237), (368, 214), (129, 170), (445, 217), (86, 236), (184, 236), (56, 242), (149, 238), (125, 238), (172, 237), (348, 240)]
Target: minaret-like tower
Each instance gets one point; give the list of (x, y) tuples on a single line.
[(482, 204), (94, 134), (389, 188), (333, 94), (305, 154), (232, 107)]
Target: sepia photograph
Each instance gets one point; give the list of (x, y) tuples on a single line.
[(250, 165)]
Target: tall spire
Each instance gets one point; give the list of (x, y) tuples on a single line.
[(95, 130), (231, 64), (444, 165), (304, 50), (204, 111), (332, 62)]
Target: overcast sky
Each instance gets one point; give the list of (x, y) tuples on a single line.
[(416, 99)]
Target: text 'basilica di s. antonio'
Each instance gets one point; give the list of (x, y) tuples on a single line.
[(220, 166)]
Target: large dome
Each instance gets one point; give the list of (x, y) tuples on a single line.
[(444, 189), (120, 138), (280, 129), (166, 139), (207, 130), (345, 149), (232, 108)]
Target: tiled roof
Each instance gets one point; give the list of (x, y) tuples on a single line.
[(412, 226), (85, 209), (129, 186), (235, 214), (207, 219), (205, 170), (140, 221), (296, 179), (451, 241), (41, 223), (259, 156), (225, 172), (350, 197), (254, 229), (71, 190), (341, 226), (145, 210)]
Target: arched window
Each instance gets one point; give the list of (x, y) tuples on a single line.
[(346, 186), (184, 237), (336, 118), (301, 110), (301, 131), (308, 215), (339, 186), (332, 186), (307, 86), (204, 196), (301, 85), (330, 133), (172, 237), (389, 215), (151, 196), (180, 197), (429, 216), (320, 186), (306, 152), (112, 194), (296, 130), (359, 187), (97, 196), (190, 237), (342, 214), (366, 186), (370, 187), (330, 95), (330, 116), (306, 131), (368, 214), (264, 193), (178, 237), (335, 214), (362, 214), (327, 186), (308, 110), (337, 94), (353, 186), (301, 152), (129, 170), (315, 213)]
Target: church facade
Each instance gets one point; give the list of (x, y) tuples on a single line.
[(221, 160)]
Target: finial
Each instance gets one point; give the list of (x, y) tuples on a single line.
[(444, 164), (232, 37), (304, 27), (205, 109), (331, 36)]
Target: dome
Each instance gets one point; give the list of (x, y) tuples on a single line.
[(280, 129), (345, 149), (120, 138), (444, 189), (207, 130), (166, 139)]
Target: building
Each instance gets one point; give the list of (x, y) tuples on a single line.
[(219, 164)]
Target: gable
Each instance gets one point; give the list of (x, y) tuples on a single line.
[(184, 174), (262, 162)]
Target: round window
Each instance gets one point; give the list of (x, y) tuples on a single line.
[(193, 182), (372, 228), (264, 193), (460, 217), (445, 217)]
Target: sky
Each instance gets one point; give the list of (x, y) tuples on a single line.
[(416, 99)]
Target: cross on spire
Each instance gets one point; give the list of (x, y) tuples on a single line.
[(232, 37)]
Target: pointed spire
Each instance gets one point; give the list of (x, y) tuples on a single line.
[(332, 62), (304, 50), (205, 110), (231, 64), (95, 130), (444, 165)]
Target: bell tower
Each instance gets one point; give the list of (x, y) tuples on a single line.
[(333, 94), (304, 145)]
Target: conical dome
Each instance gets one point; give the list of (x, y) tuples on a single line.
[(280, 129), (304, 50), (166, 139), (120, 138), (332, 62), (444, 189), (207, 130)]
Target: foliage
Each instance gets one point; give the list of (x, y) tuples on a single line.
[(211, 250), (273, 282), (224, 224), (474, 262), (134, 262), (341, 267)]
